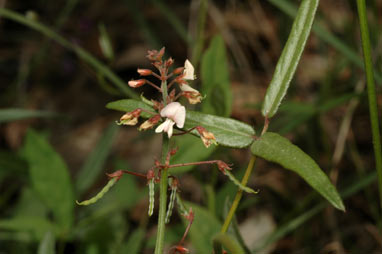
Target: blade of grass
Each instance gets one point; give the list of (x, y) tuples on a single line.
[(174, 21), (198, 42), (13, 114), (290, 9), (373, 107), (144, 26), (81, 53)]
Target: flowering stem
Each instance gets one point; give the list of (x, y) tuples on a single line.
[(238, 196), (163, 184)]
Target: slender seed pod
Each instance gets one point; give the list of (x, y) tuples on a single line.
[(237, 183), (171, 204), (100, 194), (151, 196)]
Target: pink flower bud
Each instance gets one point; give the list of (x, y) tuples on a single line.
[(137, 83), (144, 72), (178, 70)]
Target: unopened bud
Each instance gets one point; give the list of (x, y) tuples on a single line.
[(169, 62), (137, 83), (178, 70), (130, 118), (151, 122), (144, 72), (173, 151), (223, 166), (160, 54)]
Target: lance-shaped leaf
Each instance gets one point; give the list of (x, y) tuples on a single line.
[(275, 148), (287, 64), (227, 131)]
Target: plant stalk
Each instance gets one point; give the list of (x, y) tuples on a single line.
[(238, 196), (371, 92), (163, 185)]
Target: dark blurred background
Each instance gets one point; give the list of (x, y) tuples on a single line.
[(325, 113)]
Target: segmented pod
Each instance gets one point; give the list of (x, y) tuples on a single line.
[(237, 183), (100, 194), (151, 197), (171, 204)]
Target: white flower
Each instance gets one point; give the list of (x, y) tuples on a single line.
[(175, 114), (188, 72)]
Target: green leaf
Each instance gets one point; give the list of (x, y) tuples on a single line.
[(216, 84), (47, 245), (50, 178), (227, 131), (203, 229), (275, 148), (13, 114), (228, 242), (128, 105), (290, 56), (94, 163)]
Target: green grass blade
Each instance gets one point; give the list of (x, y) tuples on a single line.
[(373, 106), (290, 56), (13, 114), (174, 21), (47, 245), (81, 53)]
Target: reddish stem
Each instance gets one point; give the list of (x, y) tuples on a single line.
[(153, 85)]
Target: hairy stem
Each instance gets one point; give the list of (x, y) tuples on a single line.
[(371, 92), (238, 196)]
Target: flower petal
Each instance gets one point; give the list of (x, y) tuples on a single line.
[(180, 117), (170, 109), (188, 72)]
